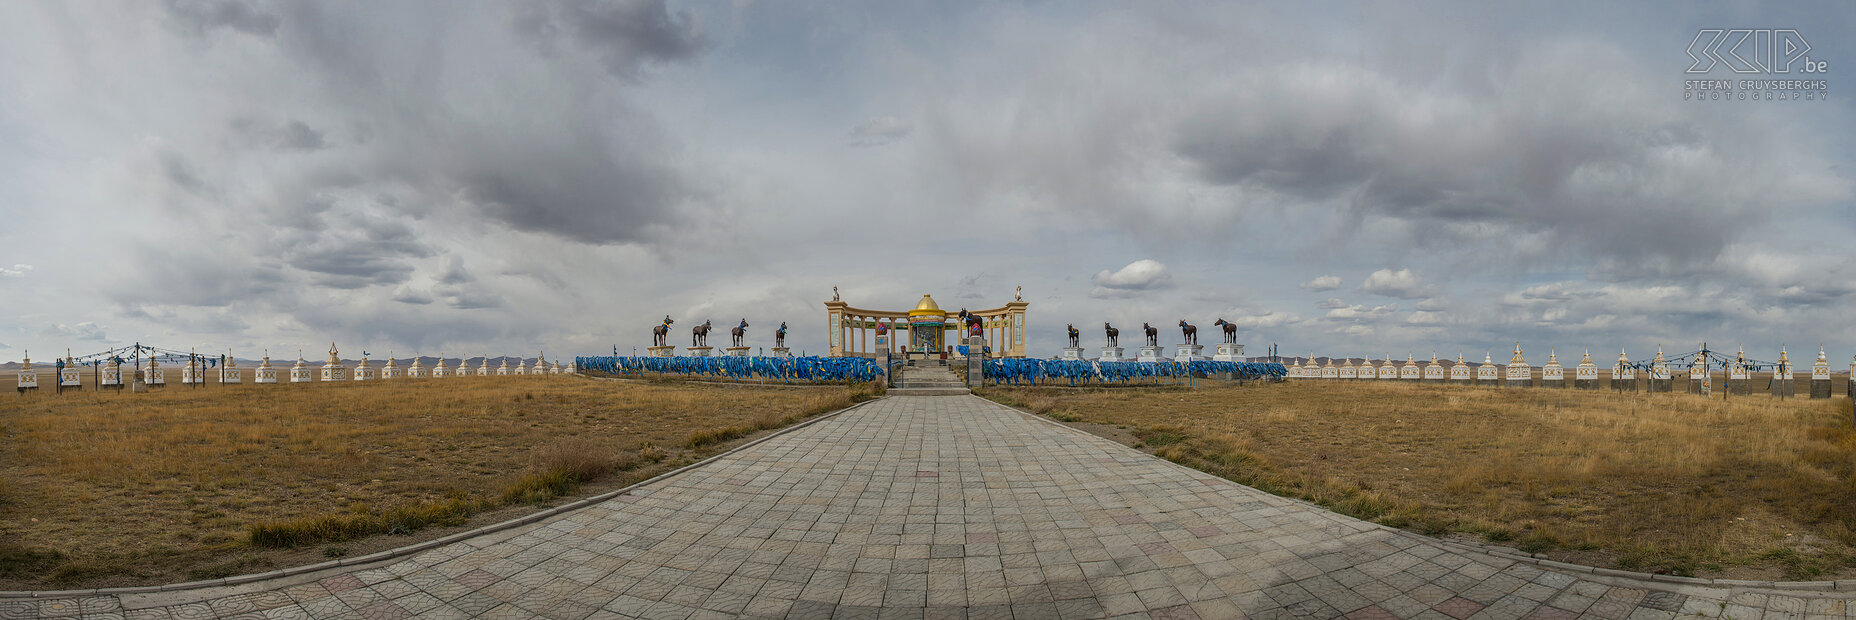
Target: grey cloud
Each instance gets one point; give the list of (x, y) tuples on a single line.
[(191, 276), (201, 17), (879, 131), (454, 272), (1630, 175), (182, 174), (363, 251), (623, 33), (296, 136), (81, 331), (1330, 303), (468, 298), (409, 295)]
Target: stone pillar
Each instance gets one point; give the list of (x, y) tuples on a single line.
[(392, 369), (502, 370), (1386, 369), (1698, 375), (976, 359), (154, 374), (363, 371), (1820, 375), (483, 369), (1409, 372), (1347, 370)]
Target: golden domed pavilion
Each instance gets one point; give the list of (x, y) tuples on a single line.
[(852, 331)]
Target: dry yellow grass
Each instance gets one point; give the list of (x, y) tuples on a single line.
[(1663, 483), (119, 489)]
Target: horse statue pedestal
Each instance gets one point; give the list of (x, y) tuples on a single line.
[(1188, 352), (701, 351), (1112, 354), (976, 361), (1229, 352), (1151, 353), (738, 351), (1072, 353), (782, 352), (662, 351)]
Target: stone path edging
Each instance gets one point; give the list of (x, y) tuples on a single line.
[(1840, 585), (399, 552)]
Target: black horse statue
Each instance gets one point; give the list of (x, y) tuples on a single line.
[(1230, 330), (661, 332), (1153, 335), (779, 337), (739, 332), (972, 321), (1114, 335), (1189, 332), (699, 335), (1073, 334)]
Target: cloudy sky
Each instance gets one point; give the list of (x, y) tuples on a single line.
[(502, 177)]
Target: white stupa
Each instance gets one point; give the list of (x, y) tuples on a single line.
[(265, 374), (332, 369), (300, 372)]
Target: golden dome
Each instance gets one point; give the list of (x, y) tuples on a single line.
[(927, 307)]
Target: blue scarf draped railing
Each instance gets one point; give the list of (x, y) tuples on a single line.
[(787, 369), (1031, 371)]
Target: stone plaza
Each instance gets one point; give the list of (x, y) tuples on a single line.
[(942, 507)]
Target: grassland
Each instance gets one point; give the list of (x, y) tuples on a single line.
[(1749, 487), (126, 489)]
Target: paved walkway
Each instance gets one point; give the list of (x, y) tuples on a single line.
[(950, 507)]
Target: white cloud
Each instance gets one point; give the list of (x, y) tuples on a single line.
[(1322, 283), (1403, 284), (1360, 312), (17, 271), (1141, 275)]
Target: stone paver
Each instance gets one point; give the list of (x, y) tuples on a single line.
[(946, 507)]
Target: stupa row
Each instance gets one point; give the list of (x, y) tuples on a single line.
[(1623, 376), (110, 374)]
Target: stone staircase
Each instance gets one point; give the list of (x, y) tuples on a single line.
[(928, 379)]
